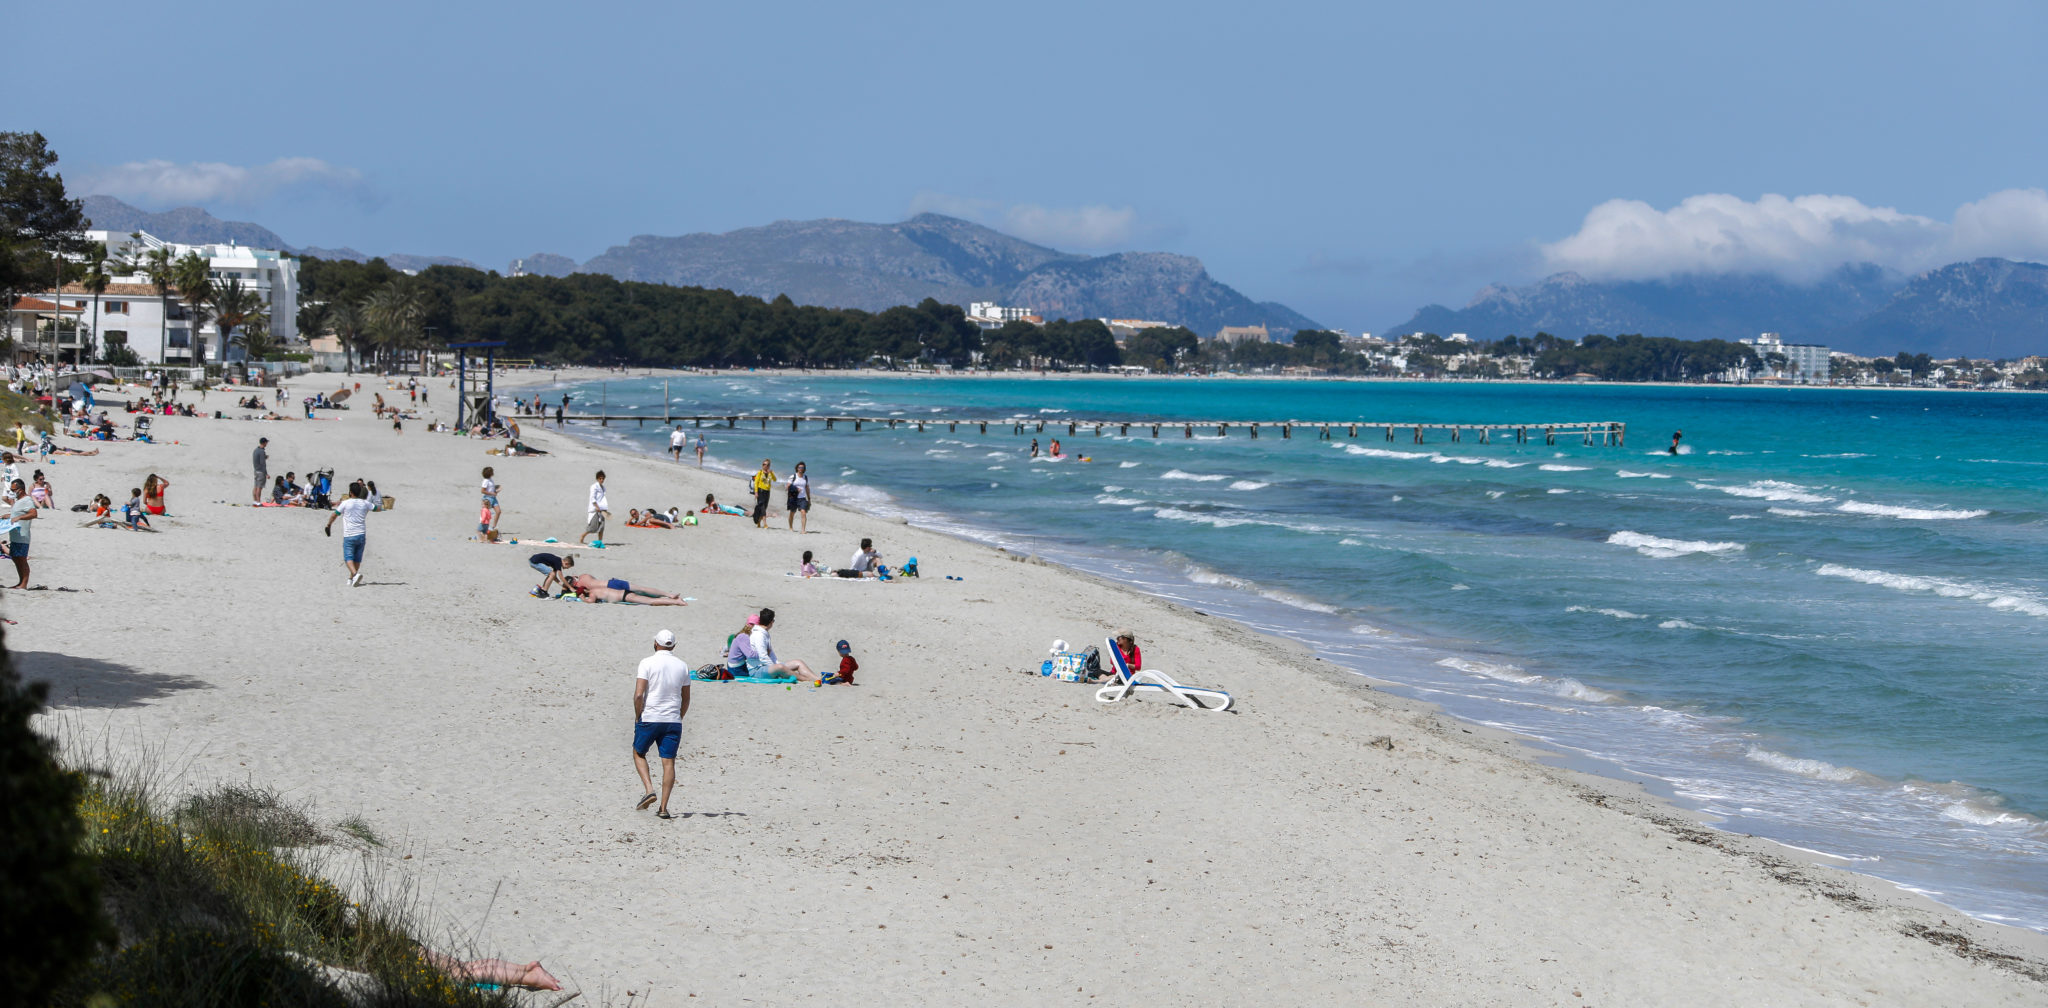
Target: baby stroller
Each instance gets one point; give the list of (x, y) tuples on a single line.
[(319, 484)]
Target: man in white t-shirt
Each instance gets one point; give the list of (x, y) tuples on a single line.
[(676, 440), (355, 527), (661, 696), (593, 520)]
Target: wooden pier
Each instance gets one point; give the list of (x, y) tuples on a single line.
[(1597, 432)]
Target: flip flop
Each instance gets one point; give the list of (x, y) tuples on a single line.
[(665, 815), (644, 802)]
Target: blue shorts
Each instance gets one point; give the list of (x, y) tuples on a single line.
[(544, 569), (17, 550), (662, 734), (352, 548)]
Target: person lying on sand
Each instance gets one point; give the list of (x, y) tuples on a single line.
[(711, 506), (649, 518), (502, 972), (588, 588)]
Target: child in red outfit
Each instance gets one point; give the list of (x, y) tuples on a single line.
[(846, 665)]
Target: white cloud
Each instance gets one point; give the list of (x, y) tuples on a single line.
[(1800, 237), (1087, 227), (167, 183)]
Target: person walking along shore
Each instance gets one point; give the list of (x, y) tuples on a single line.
[(593, 519), (661, 699), (355, 527)]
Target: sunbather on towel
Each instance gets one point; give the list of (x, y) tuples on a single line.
[(712, 506), (590, 589), (765, 656), (649, 518)]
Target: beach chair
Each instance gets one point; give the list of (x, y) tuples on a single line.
[(1127, 682)]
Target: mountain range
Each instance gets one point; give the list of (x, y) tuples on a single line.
[(1984, 308), (838, 264), (193, 226), (851, 264)]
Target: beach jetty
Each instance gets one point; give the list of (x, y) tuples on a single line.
[(1590, 432)]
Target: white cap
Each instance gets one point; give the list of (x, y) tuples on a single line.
[(1059, 646), (663, 638)]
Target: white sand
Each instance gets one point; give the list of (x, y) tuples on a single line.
[(948, 831)]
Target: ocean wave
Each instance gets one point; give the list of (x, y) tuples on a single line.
[(1217, 521), (1816, 769), (1679, 624), (1656, 546), (1204, 575), (2004, 600), (1563, 686), (1128, 465), (1911, 514), (1770, 490), (1117, 501), (1352, 449), (1176, 474), (1616, 613), (1557, 490), (1249, 485), (1496, 494), (1626, 474), (1556, 467), (1793, 512), (1050, 409), (1348, 541)]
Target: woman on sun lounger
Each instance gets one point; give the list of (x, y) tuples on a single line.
[(590, 589)]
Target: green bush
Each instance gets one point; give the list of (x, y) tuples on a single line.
[(50, 918)]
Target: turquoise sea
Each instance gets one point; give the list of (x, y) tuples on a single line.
[(1824, 622)]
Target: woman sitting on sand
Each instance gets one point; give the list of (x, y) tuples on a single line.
[(770, 664), (589, 589), (153, 487)]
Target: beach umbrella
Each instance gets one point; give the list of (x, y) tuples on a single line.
[(103, 374), (341, 396)]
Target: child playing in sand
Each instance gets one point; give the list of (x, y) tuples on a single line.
[(810, 568), (137, 517), (847, 665)]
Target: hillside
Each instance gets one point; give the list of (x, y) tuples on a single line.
[(851, 264), (193, 226), (1986, 308)]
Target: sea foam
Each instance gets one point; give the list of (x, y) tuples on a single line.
[(1176, 474), (1911, 514), (1657, 546), (2003, 600)]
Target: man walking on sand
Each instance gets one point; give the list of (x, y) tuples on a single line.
[(355, 527), (661, 697), (262, 461), (593, 521), (676, 439)]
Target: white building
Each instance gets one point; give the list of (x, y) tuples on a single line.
[(159, 328), (1806, 363), (990, 315)]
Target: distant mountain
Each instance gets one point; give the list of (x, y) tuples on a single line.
[(184, 225), (1982, 308), (1986, 308), (193, 226), (850, 264)]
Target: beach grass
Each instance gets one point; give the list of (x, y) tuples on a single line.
[(217, 903)]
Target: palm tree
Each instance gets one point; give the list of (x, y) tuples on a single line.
[(193, 276), (345, 320), (95, 282), (233, 305), (156, 265), (393, 313), (253, 336)]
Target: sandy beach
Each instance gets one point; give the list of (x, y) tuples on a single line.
[(950, 830)]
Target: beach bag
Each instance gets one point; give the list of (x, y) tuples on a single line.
[(713, 672), (1066, 666)]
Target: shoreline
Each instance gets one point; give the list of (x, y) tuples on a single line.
[(926, 832), (1586, 773)]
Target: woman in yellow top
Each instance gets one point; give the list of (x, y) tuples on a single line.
[(764, 482)]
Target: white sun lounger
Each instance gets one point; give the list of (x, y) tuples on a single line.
[(1154, 681)]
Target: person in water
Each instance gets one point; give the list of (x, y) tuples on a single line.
[(1675, 436)]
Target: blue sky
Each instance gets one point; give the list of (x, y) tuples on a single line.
[(1353, 161)]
